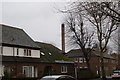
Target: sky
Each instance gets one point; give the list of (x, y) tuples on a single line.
[(40, 20)]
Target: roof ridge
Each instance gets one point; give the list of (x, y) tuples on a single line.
[(44, 43), (5, 25)]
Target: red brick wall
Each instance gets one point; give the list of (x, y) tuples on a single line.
[(95, 64), (18, 67)]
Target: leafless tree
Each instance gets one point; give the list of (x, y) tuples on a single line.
[(103, 24), (79, 35), (112, 9)]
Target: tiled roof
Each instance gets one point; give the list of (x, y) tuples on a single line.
[(24, 59), (78, 53), (51, 52), (15, 36), (54, 57)]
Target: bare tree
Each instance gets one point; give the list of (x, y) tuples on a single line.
[(79, 35), (111, 9), (103, 23)]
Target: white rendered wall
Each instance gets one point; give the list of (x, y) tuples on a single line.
[(8, 51), (35, 53)]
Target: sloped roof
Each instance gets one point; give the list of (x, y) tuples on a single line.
[(55, 57), (16, 36), (24, 59), (78, 53), (51, 52)]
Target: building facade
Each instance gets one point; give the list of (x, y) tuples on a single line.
[(109, 62), (22, 57)]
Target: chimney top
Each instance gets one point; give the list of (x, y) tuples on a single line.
[(62, 25)]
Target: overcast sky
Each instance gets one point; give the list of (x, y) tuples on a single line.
[(40, 20)]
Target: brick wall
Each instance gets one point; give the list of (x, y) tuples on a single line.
[(17, 68), (110, 65)]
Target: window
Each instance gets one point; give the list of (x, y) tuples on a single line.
[(76, 59), (42, 53), (81, 60), (63, 69), (85, 67), (81, 67), (28, 71), (50, 54), (84, 59), (27, 52), (17, 51)]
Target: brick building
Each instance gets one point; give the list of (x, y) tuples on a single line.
[(109, 62), (22, 57), (116, 56)]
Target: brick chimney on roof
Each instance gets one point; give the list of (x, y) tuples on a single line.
[(63, 37)]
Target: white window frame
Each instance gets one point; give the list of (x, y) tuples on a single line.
[(50, 54), (42, 53), (80, 60), (84, 59), (29, 72), (80, 67), (17, 51), (27, 52), (63, 69), (76, 59)]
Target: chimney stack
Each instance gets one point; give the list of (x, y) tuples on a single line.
[(63, 37)]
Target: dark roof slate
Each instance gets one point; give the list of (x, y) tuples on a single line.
[(23, 59), (56, 53), (15, 36), (74, 53)]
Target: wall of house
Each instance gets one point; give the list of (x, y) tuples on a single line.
[(35, 53), (110, 65), (14, 51), (17, 68), (7, 51)]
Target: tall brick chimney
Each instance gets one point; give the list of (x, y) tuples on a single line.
[(63, 37)]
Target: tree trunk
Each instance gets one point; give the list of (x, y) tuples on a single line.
[(102, 65)]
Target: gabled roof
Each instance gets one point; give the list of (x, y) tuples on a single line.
[(74, 53), (54, 57), (16, 37), (77, 53), (51, 52)]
